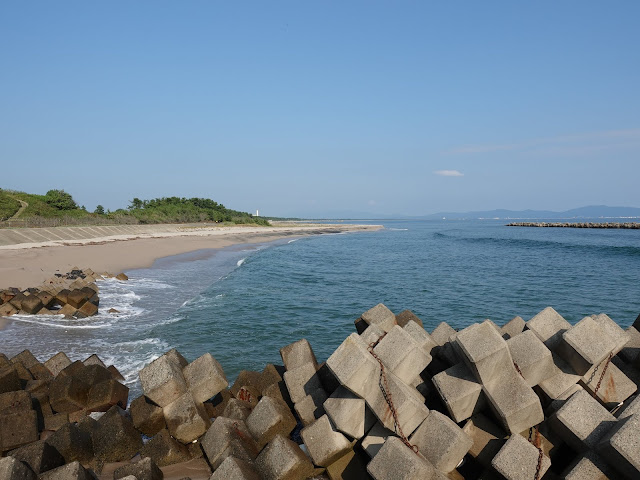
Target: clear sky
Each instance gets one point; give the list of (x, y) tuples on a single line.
[(315, 108)]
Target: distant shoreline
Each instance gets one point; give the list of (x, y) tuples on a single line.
[(28, 263), (610, 225)]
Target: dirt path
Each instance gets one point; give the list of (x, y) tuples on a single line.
[(21, 209)]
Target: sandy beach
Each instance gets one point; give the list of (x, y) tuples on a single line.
[(28, 264)]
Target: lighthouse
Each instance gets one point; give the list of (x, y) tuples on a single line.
[(257, 213)]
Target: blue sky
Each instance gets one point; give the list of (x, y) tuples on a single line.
[(316, 108)]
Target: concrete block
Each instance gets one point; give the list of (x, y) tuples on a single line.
[(532, 357), (237, 409), (615, 386), (375, 438), (144, 469), (269, 418), (147, 417), (55, 421), (282, 459), (631, 407), (549, 326), (588, 466), (38, 456), (485, 352), (12, 469), (329, 381), (17, 429), (585, 345), (68, 311), (323, 442), (632, 348), (249, 395), (115, 439), (613, 330), (514, 403), (406, 316), (488, 438), (311, 407), (459, 391), (441, 441), (401, 354), (354, 366), (372, 335), (420, 335), (302, 381), (165, 450), (186, 419), (71, 471), (512, 328), (73, 443), (217, 404), (40, 372), (162, 380), (87, 309), (397, 461), (518, 460), (379, 315), (279, 391), (9, 379), (581, 422), (442, 333), (235, 469), (408, 403), (68, 394), (349, 413), (351, 466), (71, 369), (104, 395), (26, 358), (204, 378), (297, 354), (12, 402), (227, 437), (246, 378), (620, 447), (562, 384)]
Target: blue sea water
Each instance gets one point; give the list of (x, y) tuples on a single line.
[(244, 302)]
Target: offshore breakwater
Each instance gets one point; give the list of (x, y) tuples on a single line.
[(521, 399), (615, 225)]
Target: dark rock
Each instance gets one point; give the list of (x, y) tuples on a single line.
[(9, 379)]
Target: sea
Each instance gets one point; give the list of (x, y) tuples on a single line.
[(243, 303)]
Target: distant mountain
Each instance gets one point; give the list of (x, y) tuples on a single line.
[(593, 211)]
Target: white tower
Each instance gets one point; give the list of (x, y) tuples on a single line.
[(257, 213)]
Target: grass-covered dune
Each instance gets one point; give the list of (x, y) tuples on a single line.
[(58, 207)]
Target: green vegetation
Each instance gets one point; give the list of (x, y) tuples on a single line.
[(59, 207), (183, 210), (8, 205)]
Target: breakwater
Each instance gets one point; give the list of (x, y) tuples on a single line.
[(618, 225), (393, 400)]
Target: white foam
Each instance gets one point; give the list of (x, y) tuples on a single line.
[(241, 261), (293, 240)]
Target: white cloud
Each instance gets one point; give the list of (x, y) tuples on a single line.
[(449, 173)]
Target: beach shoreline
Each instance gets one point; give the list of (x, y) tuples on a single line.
[(25, 265)]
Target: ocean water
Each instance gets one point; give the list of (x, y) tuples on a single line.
[(244, 302)]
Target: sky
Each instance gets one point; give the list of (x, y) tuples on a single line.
[(324, 108)]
